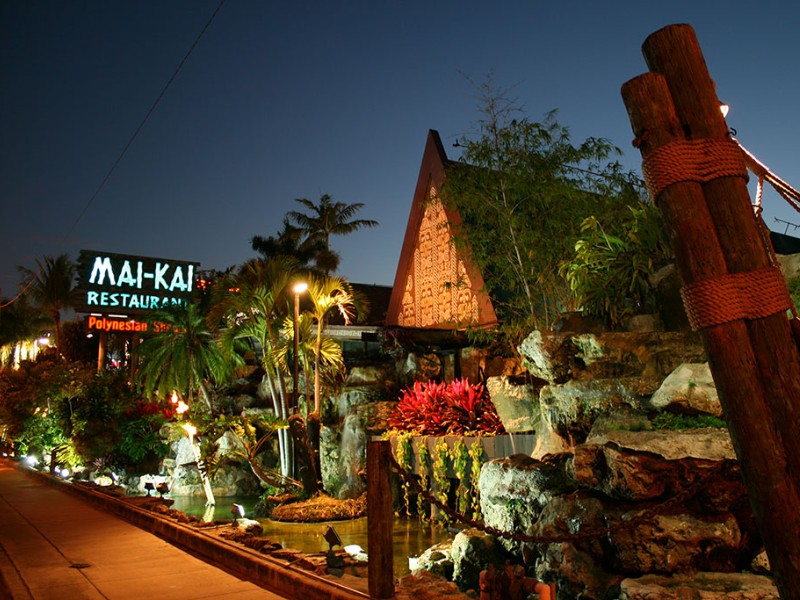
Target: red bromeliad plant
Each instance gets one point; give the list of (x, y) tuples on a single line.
[(457, 408)]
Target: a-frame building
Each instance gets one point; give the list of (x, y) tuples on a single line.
[(436, 285)]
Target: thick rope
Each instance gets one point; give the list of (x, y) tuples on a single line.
[(749, 295), (786, 191), (698, 161)]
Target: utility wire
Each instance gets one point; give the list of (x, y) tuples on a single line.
[(126, 147)]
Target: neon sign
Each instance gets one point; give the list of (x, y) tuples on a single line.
[(132, 284), (101, 323)]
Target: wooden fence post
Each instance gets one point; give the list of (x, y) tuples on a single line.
[(675, 52), (380, 519), (705, 249)]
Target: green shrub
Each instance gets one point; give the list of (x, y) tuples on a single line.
[(674, 421), (610, 271)]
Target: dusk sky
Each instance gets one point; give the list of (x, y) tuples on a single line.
[(282, 100)]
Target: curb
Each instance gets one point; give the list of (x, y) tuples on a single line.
[(277, 576)]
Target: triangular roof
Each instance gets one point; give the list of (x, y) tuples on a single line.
[(436, 284)]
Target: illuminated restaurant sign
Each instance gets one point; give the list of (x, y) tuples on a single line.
[(123, 284), (101, 323)]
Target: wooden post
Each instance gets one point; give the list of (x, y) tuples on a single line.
[(101, 351), (701, 247), (380, 570), (675, 52)]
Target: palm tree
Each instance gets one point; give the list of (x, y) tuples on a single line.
[(329, 350), (324, 220), (20, 321), (181, 355), (52, 288), (327, 294), (253, 303), (292, 242)]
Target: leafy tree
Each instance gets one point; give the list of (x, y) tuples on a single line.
[(36, 402), (180, 355), (75, 345), (325, 219), (52, 288), (140, 441), (20, 322), (95, 415), (612, 265), (522, 189)]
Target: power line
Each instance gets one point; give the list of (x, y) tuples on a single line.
[(127, 146)]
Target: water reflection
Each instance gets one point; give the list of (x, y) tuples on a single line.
[(410, 536)]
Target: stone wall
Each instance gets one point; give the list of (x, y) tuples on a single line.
[(610, 498)]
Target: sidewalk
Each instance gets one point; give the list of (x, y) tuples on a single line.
[(56, 546)]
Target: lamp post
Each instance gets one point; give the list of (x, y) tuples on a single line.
[(298, 289)]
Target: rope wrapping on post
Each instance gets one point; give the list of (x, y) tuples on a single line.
[(749, 295), (698, 161)]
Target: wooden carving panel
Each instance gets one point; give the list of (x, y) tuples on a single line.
[(438, 290)]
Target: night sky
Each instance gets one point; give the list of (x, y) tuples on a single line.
[(281, 100)]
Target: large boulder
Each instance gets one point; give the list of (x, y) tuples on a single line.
[(699, 586), (514, 490), (343, 448), (569, 410), (706, 443), (471, 552), (559, 357), (676, 543), (437, 559), (517, 405), (689, 389), (639, 475)]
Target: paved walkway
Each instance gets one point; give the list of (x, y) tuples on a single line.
[(55, 546)]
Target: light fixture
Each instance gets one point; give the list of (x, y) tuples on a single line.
[(237, 510), (724, 109), (299, 288), (163, 488), (149, 486), (332, 537)]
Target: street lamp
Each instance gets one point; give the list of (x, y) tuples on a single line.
[(298, 289)]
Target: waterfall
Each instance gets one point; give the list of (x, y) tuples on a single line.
[(352, 453)]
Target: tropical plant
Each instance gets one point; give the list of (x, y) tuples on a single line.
[(95, 415), (458, 408), (253, 303), (22, 321), (291, 242), (140, 433), (521, 189), (52, 288), (325, 219), (328, 295), (612, 265), (181, 354), (36, 401)]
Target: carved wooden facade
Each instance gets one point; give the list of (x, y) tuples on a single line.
[(436, 285)]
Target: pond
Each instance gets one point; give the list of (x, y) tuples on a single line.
[(411, 537)]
